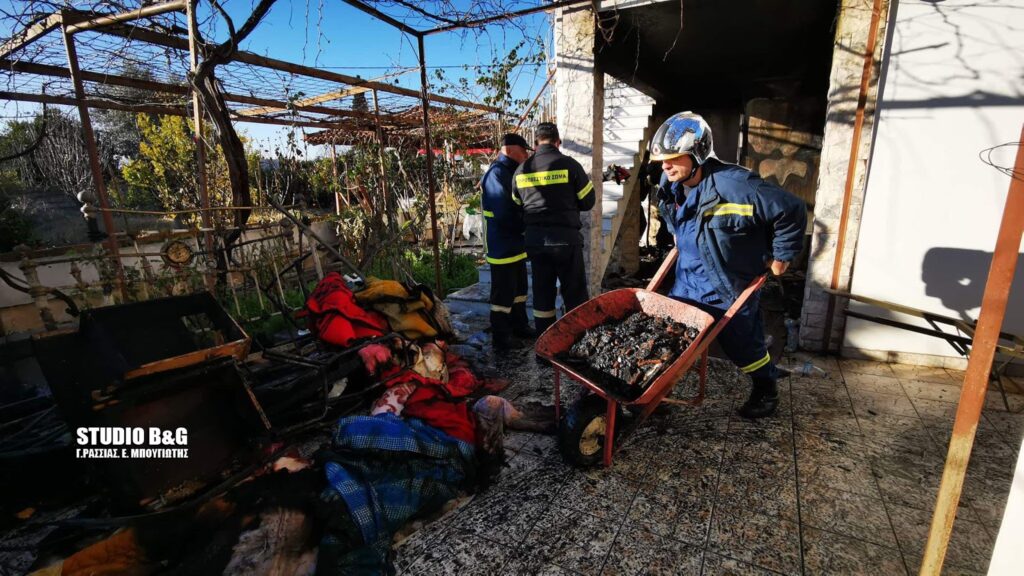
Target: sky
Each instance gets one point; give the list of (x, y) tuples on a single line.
[(333, 35)]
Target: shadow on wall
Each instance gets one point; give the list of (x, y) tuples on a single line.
[(957, 277)]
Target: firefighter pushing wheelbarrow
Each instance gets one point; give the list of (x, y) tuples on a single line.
[(731, 228)]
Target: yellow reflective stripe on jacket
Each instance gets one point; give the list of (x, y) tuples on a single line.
[(731, 209), (502, 309), (519, 300), (488, 214), (543, 313), (517, 200), (509, 260), (755, 365), (586, 190), (535, 179)]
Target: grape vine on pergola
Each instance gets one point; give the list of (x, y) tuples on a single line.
[(66, 57)]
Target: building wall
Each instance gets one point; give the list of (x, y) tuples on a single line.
[(954, 85), (852, 30), (580, 116)]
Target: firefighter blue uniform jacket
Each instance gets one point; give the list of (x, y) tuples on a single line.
[(503, 218), (737, 224)]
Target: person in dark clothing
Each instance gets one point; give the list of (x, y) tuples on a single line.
[(505, 246), (652, 173), (730, 226), (553, 189)]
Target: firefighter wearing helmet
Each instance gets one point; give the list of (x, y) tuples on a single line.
[(730, 226)]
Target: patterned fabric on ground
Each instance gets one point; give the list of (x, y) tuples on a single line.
[(386, 471), (433, 400), (393, 400)]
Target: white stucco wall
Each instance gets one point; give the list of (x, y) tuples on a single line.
[(953, 86)]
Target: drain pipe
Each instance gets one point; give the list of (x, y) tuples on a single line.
[(851, 169)]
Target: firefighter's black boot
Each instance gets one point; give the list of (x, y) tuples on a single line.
[(763, 401), (507, 341)]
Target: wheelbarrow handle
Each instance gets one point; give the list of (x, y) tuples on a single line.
[(666, 266), (735, 308)]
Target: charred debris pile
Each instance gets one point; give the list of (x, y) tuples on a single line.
[(625, 356)]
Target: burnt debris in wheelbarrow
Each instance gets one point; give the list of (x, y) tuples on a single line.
[(587, 430), (624, 356)]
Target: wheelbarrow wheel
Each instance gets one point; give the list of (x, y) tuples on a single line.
[(582, 429)]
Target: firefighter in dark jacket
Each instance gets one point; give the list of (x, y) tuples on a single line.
[(505, 247), (553, 189), (730, 226)]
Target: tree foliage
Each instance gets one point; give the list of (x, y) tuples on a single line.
[(164, 174)]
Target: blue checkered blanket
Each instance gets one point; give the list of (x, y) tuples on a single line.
[(389, 470)]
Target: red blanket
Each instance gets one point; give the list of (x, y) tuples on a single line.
[(335, 316)]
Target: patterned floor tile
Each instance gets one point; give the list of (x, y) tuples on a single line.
[(598, 492), (934, 409), (768, 542), (1010, 426), (840, 471), (718, 565), (679, 514), (970, 546), (873, 383), (896, 430), (865, 367), (994, 402), (846, 513), (842, 423), (932, 390), (638, 551), (504, 518), (827, 554), (868, 404), (571, 540), (923, 373), (462, 555)]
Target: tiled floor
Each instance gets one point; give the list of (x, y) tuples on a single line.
[(840, 481)]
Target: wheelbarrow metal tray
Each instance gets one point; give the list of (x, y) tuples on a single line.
[(617, 305)]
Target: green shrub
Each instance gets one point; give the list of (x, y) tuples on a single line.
[(15, 228), (457, 270)]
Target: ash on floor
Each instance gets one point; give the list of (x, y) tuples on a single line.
[(840, 481)]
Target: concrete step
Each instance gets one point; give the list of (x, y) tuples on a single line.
[(632, 121), (630, 111), (483, 273), (620, 149), (623, 135), (618, 100)]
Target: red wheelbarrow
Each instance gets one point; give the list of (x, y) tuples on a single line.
[(589, 424)]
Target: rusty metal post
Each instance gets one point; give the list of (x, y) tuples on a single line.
[(851, 168), (389, 201), (380, 156), (197, 139), (430, 169), (337, 182), (979, 365), (94, 158)]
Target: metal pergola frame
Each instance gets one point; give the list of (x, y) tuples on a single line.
[(420, 35), (71, 22)]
